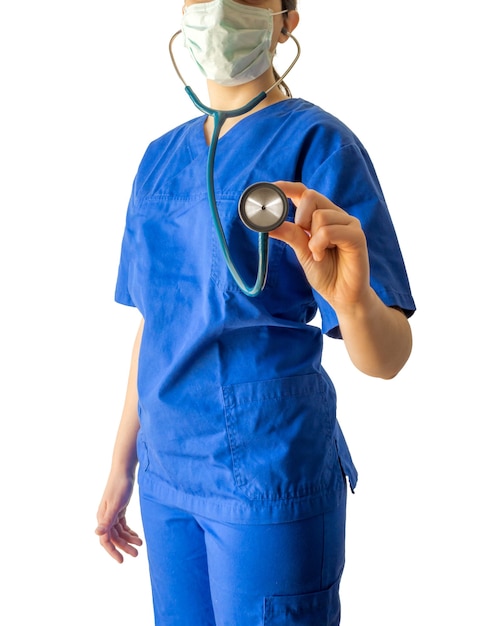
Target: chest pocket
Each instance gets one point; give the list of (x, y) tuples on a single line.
[(281, 437), (243, 249)]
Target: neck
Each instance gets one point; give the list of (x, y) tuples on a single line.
[(225, 98)]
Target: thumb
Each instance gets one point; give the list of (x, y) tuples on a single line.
[(101, 530), (105, 519), (296, 238)]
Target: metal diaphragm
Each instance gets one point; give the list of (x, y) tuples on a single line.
[(263, 207)]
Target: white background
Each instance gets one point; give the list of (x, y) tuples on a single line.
[(85, 86)]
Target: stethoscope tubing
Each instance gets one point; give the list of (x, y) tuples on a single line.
[(219, 118)]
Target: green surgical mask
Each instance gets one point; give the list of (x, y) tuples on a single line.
[(229, 42)]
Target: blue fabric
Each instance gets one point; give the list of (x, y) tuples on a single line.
[(238, 417), (206, 572)]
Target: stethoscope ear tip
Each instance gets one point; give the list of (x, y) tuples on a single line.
[(263, 207)]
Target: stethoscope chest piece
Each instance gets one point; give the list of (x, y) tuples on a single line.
[(263, 207)]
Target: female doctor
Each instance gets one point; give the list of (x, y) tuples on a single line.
[(229, 414)]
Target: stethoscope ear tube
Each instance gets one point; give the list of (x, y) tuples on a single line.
[(263, 207)]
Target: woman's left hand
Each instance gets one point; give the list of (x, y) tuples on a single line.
[(330, 245)]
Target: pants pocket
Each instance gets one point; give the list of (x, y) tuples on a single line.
[(311, 609)]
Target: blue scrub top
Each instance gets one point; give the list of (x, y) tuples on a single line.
[(237, 415)]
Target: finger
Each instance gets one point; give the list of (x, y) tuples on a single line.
[(307, 202), (327, 238), (112, 541), (124, 534), (300, 196), (294, 191), (111, 549), (128, 535), (325, 217), (296, 238), (331, 228), (122, 543), (125, 527)]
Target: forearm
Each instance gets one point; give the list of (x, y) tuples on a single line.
[(124, 457), (378, 338)]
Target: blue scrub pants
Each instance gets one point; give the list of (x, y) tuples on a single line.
[(209, 573)]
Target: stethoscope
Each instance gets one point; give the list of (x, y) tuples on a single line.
[(262, 206)]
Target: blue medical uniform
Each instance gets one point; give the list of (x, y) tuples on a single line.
[(238, 421)]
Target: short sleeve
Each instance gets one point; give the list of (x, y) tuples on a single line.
[(348, 178), (122, 293)]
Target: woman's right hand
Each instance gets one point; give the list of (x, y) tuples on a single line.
[(116, 537)]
